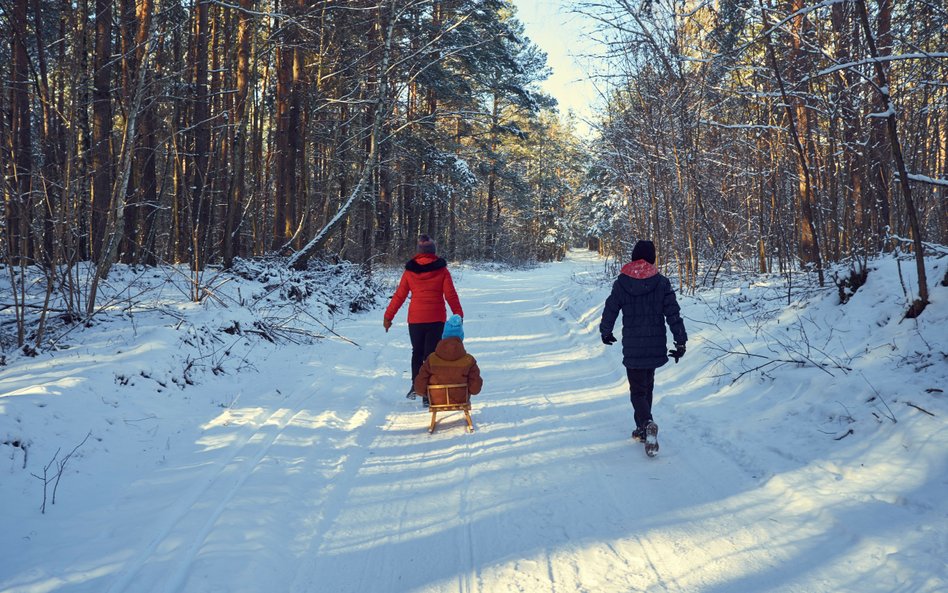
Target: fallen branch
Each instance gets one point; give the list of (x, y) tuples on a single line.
[(756, 368), (329, 329), (919, 408), (45, 478), (891, 414), (5, 306), (62, 464)]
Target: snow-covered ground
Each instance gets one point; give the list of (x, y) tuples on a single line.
[(803, 448)]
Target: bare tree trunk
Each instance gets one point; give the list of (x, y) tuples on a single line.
[(879, 199), (808, 240), (51, 182), (180, 237), (943, 192), (295, 204), (856, 220), (385, 211), (19, 205), (83, 211), (146, 162), (763, 263), (492, 224), (200, 200), (116, 220), (896, 147), (235, 204), (283, 176), (101, 125), (290, 87), (128, 33), (301, 258)]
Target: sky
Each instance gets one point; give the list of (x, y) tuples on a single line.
[(558, 32)]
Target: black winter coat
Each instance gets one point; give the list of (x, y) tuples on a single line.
[(646, 304)]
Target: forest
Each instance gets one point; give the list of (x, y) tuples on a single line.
[(784, 135), (761, 135), (197, 132)]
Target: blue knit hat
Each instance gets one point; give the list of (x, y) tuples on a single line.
[(453, 328)]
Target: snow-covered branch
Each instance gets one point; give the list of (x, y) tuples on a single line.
[(882, 59), (926, 179), (742, 126)]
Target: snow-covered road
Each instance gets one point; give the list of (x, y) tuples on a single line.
[(319, 476)]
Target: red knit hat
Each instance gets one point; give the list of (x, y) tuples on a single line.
[(426, 244)]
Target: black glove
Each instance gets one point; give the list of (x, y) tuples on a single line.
[(608, 339), (678, 352)]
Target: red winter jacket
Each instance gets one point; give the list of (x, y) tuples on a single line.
[(427, 278)]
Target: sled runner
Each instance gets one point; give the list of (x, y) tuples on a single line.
[(449, 398)]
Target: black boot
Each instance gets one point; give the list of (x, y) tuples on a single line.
[(651, 439)]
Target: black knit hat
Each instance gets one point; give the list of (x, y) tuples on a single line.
[(426, 244), (644, 250)]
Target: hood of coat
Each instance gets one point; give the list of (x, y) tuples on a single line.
[(639, 277), (425, 262), (450, 349), (639, 269)]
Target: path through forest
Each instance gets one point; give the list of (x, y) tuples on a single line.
[(341, 488), (316, 475)]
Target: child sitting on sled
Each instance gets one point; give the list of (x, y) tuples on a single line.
[(449, 364)]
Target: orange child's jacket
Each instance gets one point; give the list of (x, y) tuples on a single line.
[(427, 278), (449, 363)]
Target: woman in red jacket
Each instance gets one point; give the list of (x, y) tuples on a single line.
[(427, 278)]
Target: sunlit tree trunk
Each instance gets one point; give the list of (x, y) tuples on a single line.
[(146, 161)]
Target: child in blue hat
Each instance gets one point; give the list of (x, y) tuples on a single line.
[(449, 363)]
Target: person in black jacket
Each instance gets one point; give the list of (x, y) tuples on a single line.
[(647, 301)]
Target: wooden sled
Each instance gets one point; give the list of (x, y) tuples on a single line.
[(449, 398)]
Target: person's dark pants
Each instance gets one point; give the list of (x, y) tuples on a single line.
[(424, 338), (641, 384)]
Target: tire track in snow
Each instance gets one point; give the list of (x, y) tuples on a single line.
[(548, 399), (610, 484), (185, 560), (557, 321), (470, 576), (252, 438), (335, 501), (563, 560), (182, 532)]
